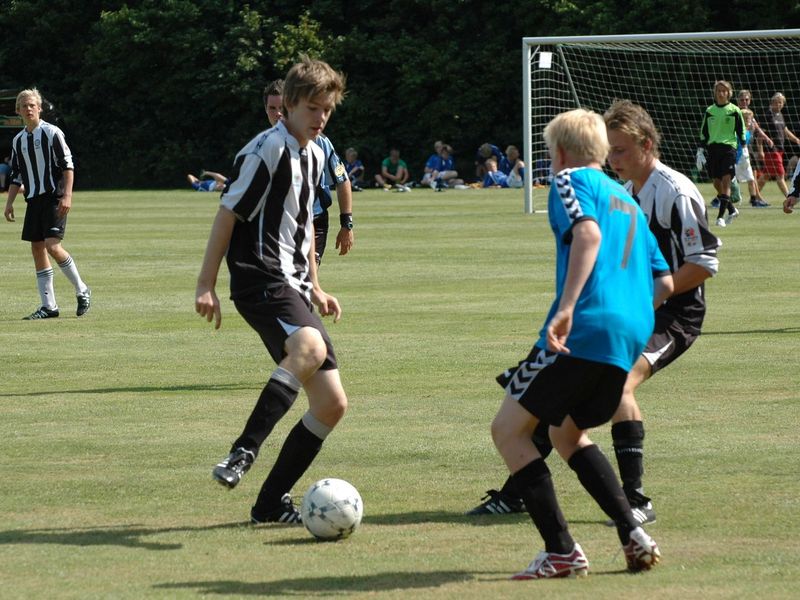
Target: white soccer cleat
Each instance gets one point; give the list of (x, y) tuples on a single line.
[(641, 552), (549, 565)]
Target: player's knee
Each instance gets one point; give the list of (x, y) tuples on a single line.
[(307, 347)]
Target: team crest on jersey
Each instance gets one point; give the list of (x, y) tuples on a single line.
[(339, 171), (37, 143), (691, 237)]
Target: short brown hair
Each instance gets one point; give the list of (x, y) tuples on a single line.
[(273, 88), (309, 78), (633, 120)]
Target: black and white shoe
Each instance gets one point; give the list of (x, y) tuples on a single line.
[(230, 470), (497, 503), (84, 302), (42, 313), (643, 514), (285, 513)]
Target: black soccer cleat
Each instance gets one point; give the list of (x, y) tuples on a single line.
[(642, 514), (285, 513), (42, 313), (84, 302), (230, 469), (497, 503)]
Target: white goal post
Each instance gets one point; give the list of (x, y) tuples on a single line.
[(670, 74)]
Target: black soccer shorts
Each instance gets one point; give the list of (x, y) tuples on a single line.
[(42, 220), (671, 338), (721, 160), (551, 386), (276, 314)]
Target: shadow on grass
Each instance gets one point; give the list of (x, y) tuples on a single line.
[(752, 331), (325, 586), (142, 389), (129, 536)]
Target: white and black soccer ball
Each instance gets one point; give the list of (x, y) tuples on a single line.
[(331, 509)]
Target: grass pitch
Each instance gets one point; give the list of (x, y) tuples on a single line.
[(111, 423)]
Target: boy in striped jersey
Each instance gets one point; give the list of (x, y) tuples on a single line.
[(41, 164), (334, 173), (264, 227)]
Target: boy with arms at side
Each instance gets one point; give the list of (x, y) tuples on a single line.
[(333, 173), (264, 226), (676, 214), (41, 164), (722, 131), (609, 275)]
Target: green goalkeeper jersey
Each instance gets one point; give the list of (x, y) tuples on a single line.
[(723, 125)]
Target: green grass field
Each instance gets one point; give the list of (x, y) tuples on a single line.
[(111, 423)]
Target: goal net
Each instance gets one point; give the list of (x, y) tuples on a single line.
[(670, 75)]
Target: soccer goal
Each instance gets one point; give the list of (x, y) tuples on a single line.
[(671, 75)]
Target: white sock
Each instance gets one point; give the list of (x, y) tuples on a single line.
[(69, 269), (44, 281)]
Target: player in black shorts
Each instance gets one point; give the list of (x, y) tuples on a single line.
[(677, 217), (41, 164), (264, 229)]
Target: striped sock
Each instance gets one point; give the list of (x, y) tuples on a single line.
[(69, 269)]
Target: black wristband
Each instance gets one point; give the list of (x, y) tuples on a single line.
[(346, 220)]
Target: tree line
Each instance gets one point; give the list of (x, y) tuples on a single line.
[(150, 90)]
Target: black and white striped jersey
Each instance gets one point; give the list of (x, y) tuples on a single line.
[(794, 190), (676, 213), (38, 159), (272, 193)]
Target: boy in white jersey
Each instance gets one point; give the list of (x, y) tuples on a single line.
[(41, 165), (264, 227)]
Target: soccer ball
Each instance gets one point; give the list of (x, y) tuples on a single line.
[(331, 509)]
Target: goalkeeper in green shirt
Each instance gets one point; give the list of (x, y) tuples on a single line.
[(723, 134)]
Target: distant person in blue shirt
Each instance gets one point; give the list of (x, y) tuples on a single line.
[(486, 151), (440, 169), (513, 167), (208, 181), (609, 276), (494, 177), (355, 169)]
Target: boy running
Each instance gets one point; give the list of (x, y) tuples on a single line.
[(265, 225)]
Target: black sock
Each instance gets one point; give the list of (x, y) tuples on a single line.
[(536, 488), (298, 452), (275, 401), (597, 476), (628, 439), (541, 439), (723, 204)]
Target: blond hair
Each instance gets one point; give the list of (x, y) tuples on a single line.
[(580, 132), (633, 120), (29, 93), (310, 78), (747, 113)]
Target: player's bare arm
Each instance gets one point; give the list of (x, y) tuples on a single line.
[(206, 302), (65, 202), (345, 237), (13, 189), (325, 303)]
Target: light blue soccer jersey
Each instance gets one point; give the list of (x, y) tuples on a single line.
[(333, 173), (613, 318)]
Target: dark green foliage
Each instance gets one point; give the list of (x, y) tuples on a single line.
[(150, 90)]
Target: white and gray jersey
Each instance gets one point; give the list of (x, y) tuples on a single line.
[(39, 158), (794, 191), (272, 194), (676, 212)]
